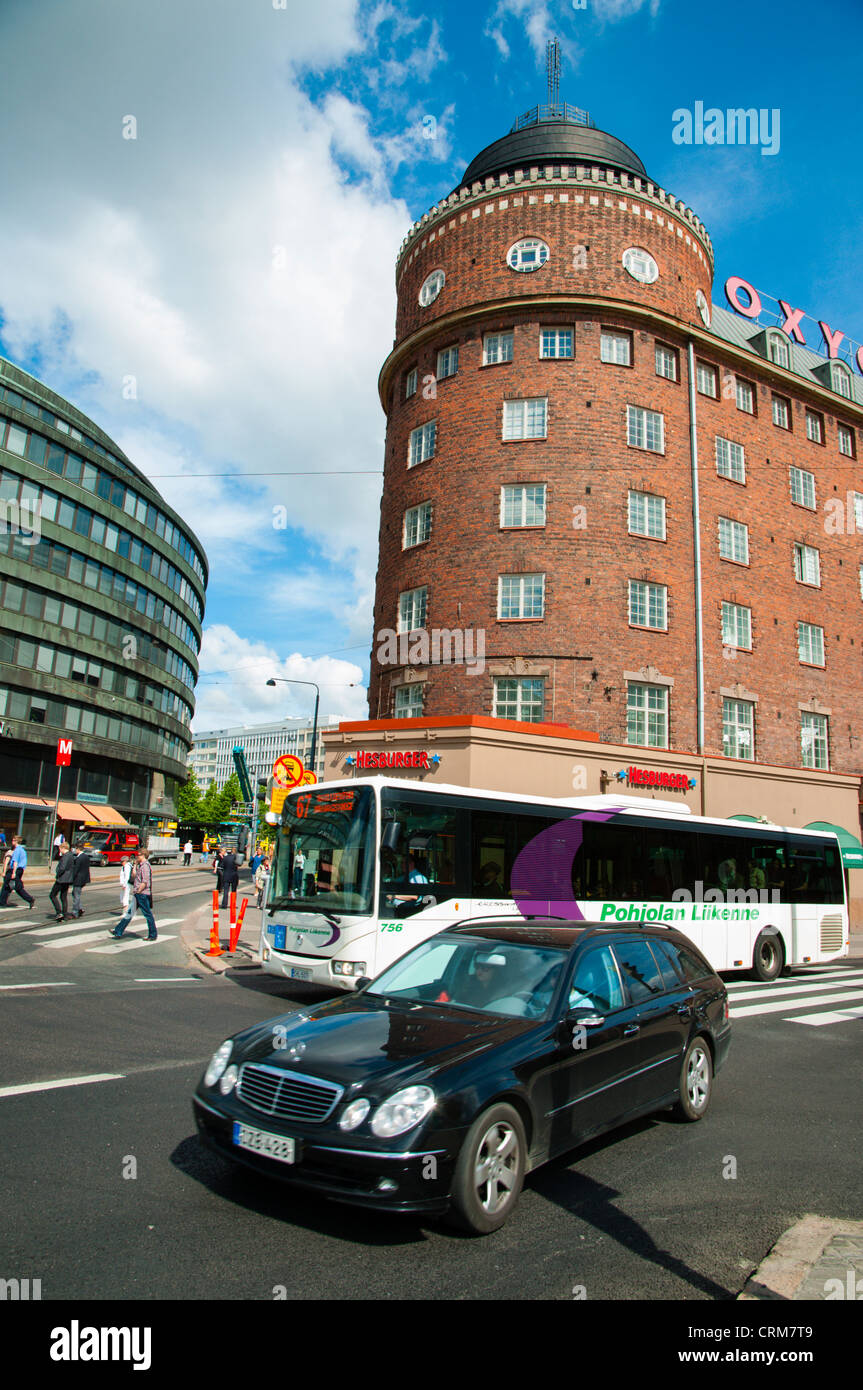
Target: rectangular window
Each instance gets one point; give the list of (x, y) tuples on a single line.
[(16, 442), (615, 348), (803, 488), (779, 351), (814, 427), (497, 347), (730, 460), (422, 443), (782, 412), (525, 419), (738, 729), (417, 526), (733, 540), (408, 701), (522, 504), (813, 740), (810, 644), (845, 437), (666, 362), (807, 564), (555, 342), (647, 715), (705, 379), (648, 605), (520, 699), (412, 609), (447, 362), (521, 596), (647, 515), (645, 429), (745, 393), (736, 626)]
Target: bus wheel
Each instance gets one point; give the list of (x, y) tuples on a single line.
[(490, 1171), (768, 958)]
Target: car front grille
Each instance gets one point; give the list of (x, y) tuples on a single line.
[(288, 1095)]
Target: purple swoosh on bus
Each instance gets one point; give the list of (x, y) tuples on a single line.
[(334, 938), (542, 873)]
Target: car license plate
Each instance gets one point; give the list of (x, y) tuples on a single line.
[(297, 974), (271, 1145)]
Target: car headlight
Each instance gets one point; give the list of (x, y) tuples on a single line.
[(228, 1080), (355, 1113), (218, 1062), (402, 1111)]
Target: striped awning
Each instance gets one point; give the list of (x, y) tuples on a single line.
[(72, 810), (105, 815), (29, 803)]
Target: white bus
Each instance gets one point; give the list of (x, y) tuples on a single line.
[(366, 868)]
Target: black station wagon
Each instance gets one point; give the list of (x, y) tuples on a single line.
[(479, 1055)]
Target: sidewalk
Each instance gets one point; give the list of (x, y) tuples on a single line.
[(816, 1259), (197, 925)]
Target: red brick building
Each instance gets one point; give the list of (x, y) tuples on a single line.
[(606, 504)]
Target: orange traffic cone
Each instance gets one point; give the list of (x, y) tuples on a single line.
[(215, 944), (238, 926)]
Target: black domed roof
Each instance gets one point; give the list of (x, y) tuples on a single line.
[(558, 141)]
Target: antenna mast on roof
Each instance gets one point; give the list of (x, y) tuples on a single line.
[(552, 67)]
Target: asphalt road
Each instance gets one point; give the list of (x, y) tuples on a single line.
[(107, 1193)]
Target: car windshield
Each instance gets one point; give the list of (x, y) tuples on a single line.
[(93, 839), (494, 976), (325, 852)]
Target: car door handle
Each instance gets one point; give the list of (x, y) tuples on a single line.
[(630, 1029), (589, 1021)]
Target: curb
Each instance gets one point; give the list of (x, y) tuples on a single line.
[(197, 924), (794, 1257)]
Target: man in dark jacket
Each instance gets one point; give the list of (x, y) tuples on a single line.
[(80, 878), (65, 872), (230, 876)]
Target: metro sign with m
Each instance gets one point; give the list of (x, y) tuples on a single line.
[(64, 752)]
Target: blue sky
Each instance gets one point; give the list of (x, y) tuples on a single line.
[(236, 257)]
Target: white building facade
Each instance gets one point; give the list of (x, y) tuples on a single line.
[(212, 758)]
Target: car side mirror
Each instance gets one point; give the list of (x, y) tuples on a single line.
[(362, 982)]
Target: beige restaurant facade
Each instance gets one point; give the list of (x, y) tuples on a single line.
[(557, 761)]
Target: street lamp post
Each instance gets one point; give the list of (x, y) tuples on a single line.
[(280, 680)]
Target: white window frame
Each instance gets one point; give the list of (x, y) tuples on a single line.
[(514, 501), (615, 347), (807, 563), (704, 372), (744, 394), (431, 287), (447, 363), (411, 380), (730, 459), (733, 540), (497, 347), (664, 357), (781, 407), (517, 585), (411, 607), (738, 729), (520, 255), (422, 443), (840, 374), (648, 605), (641, 426), (521, 416), (648, 708), (736, 626), (814, 740), (810, 644), (644, 510), (802, 484), (525, 702), (845, 440), (814, 427), (417, 519), (551, 338), (412, 706), (779, 350)]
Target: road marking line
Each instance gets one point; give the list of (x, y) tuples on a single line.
[(56, 1085), (64, 926), (819, 1020), (129, 945), (790, 992), (783, 1005), (745, 986), (168, 980), (49, 984), (91, 935)]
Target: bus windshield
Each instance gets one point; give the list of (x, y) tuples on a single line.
[(325, 852)]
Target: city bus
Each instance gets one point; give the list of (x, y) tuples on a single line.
[(366, 868)]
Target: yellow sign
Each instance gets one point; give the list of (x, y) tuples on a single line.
[(307, 779), (287, 772), (277, 801)]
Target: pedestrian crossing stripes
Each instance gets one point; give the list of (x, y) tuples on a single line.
[(812, 990), (81, 938)]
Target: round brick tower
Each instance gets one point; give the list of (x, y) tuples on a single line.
[(601, 509)]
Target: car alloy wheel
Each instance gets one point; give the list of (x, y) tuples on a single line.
[(696, 1081), (490, 1170)]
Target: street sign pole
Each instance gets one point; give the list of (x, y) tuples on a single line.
[(64, 759)]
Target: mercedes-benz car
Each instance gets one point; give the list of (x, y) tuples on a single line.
[(482, 1053)]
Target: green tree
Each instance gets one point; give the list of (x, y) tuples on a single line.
[(230, 792), (210, 804), (189, 801)]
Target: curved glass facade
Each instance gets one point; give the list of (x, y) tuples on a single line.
[(102, 593)]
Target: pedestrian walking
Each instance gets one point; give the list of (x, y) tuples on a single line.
[(262, 874), (59, 894), (7, 878), (142, 892), (217, 869), (230, 876), (299, 865), (57, 849), (125, 881), (80, 878), (187, 852), (18, 864)]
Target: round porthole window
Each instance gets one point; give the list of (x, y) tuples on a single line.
[(529, 254), (703, 307), (431, 287), (640, 265)]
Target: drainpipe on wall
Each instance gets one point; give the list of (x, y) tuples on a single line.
[(696, 538)]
